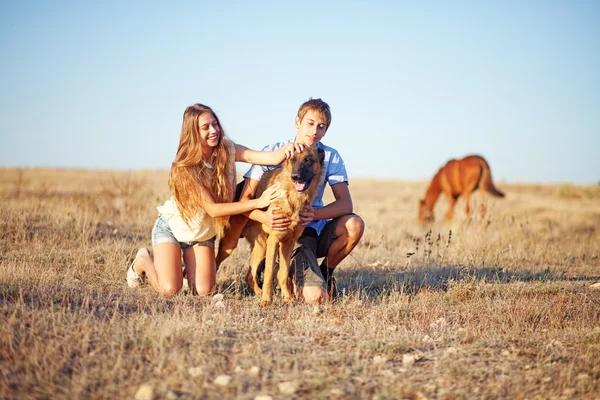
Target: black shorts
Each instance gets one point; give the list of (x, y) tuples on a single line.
[(310, 247)]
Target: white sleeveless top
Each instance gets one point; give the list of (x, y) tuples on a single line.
[(201, 227)]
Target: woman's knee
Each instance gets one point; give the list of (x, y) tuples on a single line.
[(204, 289), (169, 289)]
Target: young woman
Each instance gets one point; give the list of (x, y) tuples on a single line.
[(202, 183)]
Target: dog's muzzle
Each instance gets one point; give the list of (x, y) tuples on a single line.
[(301, 184)]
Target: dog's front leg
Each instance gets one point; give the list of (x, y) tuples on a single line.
[(272, 246), (283, 276), (259, 248)]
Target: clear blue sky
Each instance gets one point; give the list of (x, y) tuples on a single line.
[(94, 84)]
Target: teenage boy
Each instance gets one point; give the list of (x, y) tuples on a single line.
[(331, 231)]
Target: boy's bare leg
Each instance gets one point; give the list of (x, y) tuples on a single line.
[(348, 232), (313, 294)]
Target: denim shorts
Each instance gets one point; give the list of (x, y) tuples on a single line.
[(162, 233)]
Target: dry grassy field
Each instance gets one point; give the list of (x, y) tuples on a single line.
[(499, 308)]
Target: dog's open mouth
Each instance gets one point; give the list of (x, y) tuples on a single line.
[(301, 185)]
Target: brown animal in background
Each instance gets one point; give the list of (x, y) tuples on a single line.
[(299, 177), (458, 178)]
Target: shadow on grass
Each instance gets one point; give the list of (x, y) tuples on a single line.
[(437, 278), (73, 298), (373, 283), (364, 282)]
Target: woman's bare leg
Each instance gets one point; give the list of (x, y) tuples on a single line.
[(164, 272), (201, 269)]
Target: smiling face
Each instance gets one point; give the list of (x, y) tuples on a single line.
[(210, 130), (311, 129)]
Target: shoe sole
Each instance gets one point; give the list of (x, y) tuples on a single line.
[(133, 279)]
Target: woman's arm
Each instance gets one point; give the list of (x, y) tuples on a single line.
[(270, 217), (223, 209), (276, 157)]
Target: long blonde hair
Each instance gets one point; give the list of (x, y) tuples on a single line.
[(189, 172)]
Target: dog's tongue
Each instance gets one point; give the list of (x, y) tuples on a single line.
[(300, 185)]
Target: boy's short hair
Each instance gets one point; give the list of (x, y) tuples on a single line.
[(317, 105)]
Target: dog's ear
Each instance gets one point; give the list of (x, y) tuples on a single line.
[(321, 154)]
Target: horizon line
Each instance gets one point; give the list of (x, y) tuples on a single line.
[(356, 177)]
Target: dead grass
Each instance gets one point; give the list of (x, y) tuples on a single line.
[(499, 308)]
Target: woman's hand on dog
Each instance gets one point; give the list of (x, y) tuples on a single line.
[(269, 195), (291, 148)]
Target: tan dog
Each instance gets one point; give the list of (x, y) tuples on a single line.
[(458, 178), (299, 177)]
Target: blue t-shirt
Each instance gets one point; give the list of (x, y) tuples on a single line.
[(335, 172)]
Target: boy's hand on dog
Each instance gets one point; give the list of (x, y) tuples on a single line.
[(269, 195), (276, 220), (307, 215)]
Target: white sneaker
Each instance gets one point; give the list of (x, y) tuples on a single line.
[(133, 279)]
